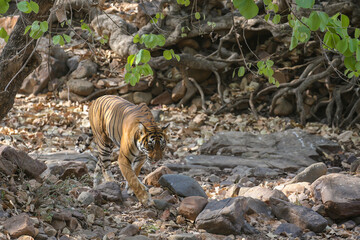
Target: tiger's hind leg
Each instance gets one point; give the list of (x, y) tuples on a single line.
[(102, 170)]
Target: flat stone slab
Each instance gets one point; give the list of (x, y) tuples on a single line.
[(64, 156), (288, 150)]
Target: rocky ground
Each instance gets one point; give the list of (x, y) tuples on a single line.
[(223, 177)]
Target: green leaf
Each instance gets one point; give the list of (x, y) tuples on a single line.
[(3, 34), (350, 63), (44, 26), (267, 2), (277, 84), (35, 26), (4, 6), (130, 59), (34, 6), (247, 8), (342, 45), (324, 19), (305, 3), (27, 29), (167, 55), (269, 63), (314, 21), (24, 6), (267, 16), (357, 33), (358, 53), (344, 21), (56, 39), (241, 71), (177, 57), (353, 44), (145, 57), (276, 19), (67, 38), (197, 15), (136, 38)]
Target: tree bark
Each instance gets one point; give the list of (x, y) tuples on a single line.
[(18, 58)]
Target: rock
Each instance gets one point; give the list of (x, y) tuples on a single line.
[(80, 87), (290, 229), (66, 95), (264, 172), (355, 166), (264, 194), (130, 230), (58, 225), (158, 114), (350, 224), (178, 91), (86, 198), (20, 225), (96, 210), (110, 191), (141, 86), (257, 206), (73, 63), (288, 150), (139, 237), (161, 204), (297, 188), (309, 235), (182, 185), (302, 217), (157, 89), (85, 69), (183, 236), (214, 179), (339, 193), (25, 237), (334, 169), (68, 169), (190, 207), (142, 97), (311, 173), (223, 217), (162, 99), (166, 196), (12, 159), (50, 231), (283, 107), (153, 178), (128, 97)]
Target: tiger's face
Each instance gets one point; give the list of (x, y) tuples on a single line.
[(152, 143)]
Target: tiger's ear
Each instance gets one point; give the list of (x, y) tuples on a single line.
[(165, 127)]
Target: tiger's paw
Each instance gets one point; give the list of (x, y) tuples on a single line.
[(146, 201)]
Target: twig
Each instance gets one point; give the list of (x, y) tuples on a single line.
[(201, 93), (251, 103)]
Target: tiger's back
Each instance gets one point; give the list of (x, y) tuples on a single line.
[(133, 128)]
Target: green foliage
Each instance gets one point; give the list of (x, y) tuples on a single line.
[(305, 3), (3, 34), (169, 54), (4, 6), (37, 29), (183, 2), (264, 68), (197, 15), (28, 7), (247, 8), (150, 40), (157, 17)]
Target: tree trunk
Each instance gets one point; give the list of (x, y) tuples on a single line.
[(18, 58)]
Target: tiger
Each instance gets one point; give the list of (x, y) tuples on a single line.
[(132, 128)]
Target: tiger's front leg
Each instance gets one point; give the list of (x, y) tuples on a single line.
[(138, 188)]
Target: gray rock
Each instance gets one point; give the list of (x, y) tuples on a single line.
[(139, 237), (110, 191), (142, 97), (86, 198), (303, 217), (223, 217), (130, 230), (340, 194), (334, 170), (161, 204), (350, 224), (290, 229), (311, 173), (85, 69), (288, 150), (73, 62), (20, 225), (257, 206), (263, 172), (264, 194), (68, 169), (355, 166), (309, 235), (183, 236), (182, 185), (80, 87), (12, 159)]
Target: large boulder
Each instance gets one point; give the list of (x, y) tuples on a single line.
[(289, 150), (340, 194), (182, 185)]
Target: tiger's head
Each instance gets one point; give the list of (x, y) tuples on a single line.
[(152, 142)]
